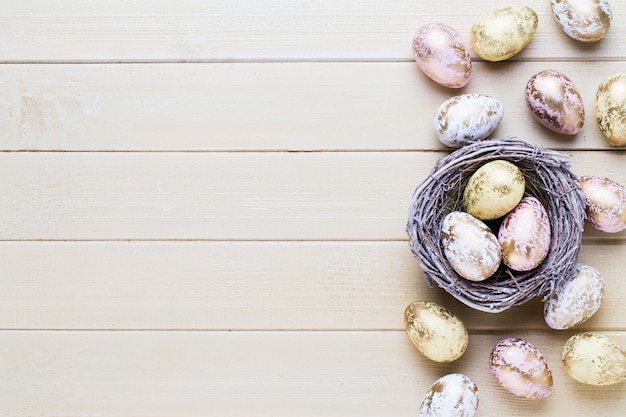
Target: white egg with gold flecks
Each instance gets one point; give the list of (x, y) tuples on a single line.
[(576, 300), (583, 20), (470, 247), (466, 119), (453, 395)]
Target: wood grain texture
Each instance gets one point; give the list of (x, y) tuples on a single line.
[(224, 196), (265, 30), (264, 374), (248, 286), (243, 107), (202, 207)]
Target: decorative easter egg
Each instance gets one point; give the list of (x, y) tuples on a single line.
[(524, 235), (583, 20), (521, 369), (576, 300), (467, 118), (594, 359), (610, 106), (555, 102), (493, 190), (453, 395), (503, 32), (435, 331), (441, 54), (470, 246), (605, 202)]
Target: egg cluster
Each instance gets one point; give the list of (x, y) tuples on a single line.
[(500, 224), (551, 96)]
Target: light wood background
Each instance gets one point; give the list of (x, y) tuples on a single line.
[(202, 207)]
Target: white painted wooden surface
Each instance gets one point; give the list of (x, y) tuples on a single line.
[(202, 207)]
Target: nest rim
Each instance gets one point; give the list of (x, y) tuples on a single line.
[(548, 178)]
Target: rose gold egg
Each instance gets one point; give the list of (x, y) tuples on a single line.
[(605, 202), (441, 54), (555, 102), (521, 369), (524, 235)]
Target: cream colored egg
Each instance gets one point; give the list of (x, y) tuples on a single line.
[(503, 32), (576, 300), (494, 190), (467, 118), (583, 20), (435, 331), (610, 103), (470, 246), (555, 102), (521, 369), (605, 202), (524, 235), (453, 395), (594, 359), (441, 54)]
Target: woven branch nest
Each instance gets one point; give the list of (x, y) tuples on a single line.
[(548, 178)]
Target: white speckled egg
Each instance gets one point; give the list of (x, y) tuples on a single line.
[(503, 32), (555, 102), (441, 54), (453, 395), (610, 109), (605, 202), (576, 300), (594, 359), (583, 20), (521, 369), (467, 118), (493, 190), (524, 235), (470, 246), (435, 331)]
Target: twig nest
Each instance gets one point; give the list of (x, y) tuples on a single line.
[(548, 178)]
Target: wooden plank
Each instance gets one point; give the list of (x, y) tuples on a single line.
[(290, 106), (247, 285), (223, 196), (263, 374), (226, 30)]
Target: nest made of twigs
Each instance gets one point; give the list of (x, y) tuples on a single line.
[(548, 178)]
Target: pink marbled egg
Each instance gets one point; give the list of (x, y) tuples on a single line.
[(521, 369), (524, 235), (555, 102), (605, 203), (442, 55)]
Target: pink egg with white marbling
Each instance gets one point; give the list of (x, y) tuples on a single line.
[(442, 55), (521, 369), (524, 235), (555, 102)]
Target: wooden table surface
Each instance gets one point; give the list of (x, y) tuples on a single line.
[(203, 207)]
